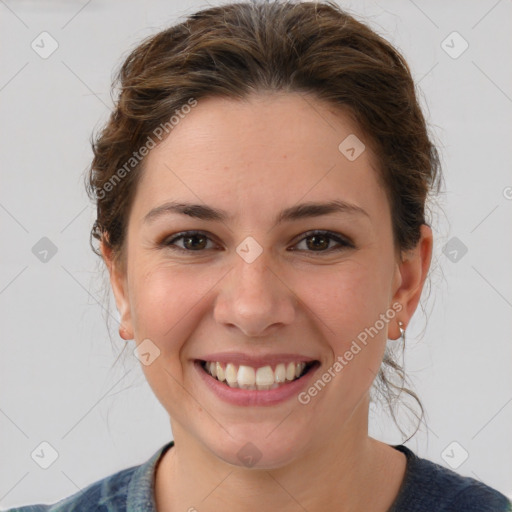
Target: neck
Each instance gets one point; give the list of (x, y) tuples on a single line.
[(352, 470)]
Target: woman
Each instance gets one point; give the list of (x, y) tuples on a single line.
[(241, 139)]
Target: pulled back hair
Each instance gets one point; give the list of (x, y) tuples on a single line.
[(238, 49)]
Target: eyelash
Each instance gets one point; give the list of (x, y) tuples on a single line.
[(344, 243)]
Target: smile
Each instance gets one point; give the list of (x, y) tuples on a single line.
[(255, 394), (263, 378)]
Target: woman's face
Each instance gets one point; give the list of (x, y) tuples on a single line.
[(253, 286)]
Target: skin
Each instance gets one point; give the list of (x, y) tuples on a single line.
[(253, 159)]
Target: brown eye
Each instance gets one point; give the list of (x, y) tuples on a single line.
[(319, 241), (315, 242), (192, 241)]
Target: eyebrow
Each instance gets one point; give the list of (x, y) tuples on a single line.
[(293, 213)]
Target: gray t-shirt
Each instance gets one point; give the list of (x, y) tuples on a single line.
[(427, 487)]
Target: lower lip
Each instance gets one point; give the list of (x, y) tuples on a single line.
[(248, 397)]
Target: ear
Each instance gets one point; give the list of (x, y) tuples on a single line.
[(118, 282), (410, 275)]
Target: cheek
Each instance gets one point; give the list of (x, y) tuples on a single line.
[(166, 303), (349, 306), (346, 300)]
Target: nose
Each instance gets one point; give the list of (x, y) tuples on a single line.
[(255, 298)]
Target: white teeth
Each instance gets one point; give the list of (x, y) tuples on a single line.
[(264, 376), (247, 377), (231, 374), (280, 372), (290, 371), (220, 372)]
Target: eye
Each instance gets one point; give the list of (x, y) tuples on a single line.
[(197, 241), (189, 239), (322, 239)]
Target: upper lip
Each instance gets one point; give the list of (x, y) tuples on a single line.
[(256, 361)]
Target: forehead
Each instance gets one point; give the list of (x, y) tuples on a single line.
[(271, 150)]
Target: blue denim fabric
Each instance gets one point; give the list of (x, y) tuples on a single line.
[(427, 487), (129, 490)]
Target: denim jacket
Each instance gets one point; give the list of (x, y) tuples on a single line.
[(427, 487), (129, 490)]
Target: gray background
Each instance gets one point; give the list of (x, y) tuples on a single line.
[(57, 380)]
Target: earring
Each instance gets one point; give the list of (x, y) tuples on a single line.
[(402, 330), (402, 337)]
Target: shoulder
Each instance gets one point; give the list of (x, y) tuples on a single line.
[(104, 495), (131, 488), (429, 486)]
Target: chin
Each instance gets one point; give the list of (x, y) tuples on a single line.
[(258, 451)]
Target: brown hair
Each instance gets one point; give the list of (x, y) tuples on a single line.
[(237, 49)]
